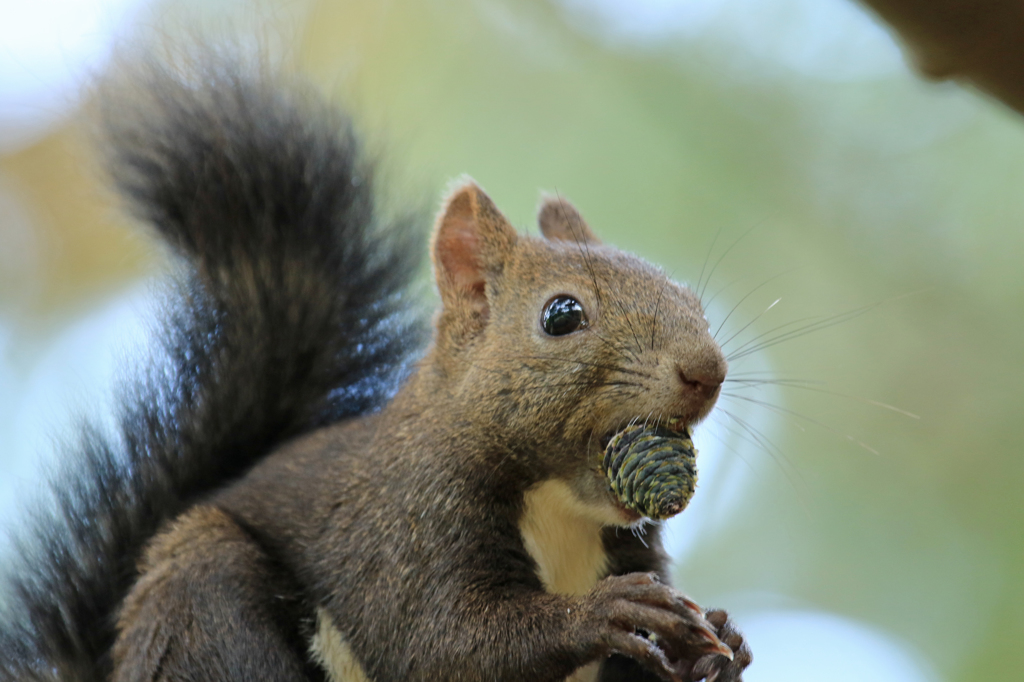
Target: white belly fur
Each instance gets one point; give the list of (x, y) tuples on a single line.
[(333, 653), (566, 544)]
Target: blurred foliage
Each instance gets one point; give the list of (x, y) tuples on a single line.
[(849, 192)]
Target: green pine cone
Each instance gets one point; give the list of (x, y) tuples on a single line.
[(652, 470)]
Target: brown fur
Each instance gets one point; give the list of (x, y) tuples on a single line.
[(208, 594), (415, 530)]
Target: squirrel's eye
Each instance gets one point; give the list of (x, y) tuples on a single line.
[(563, 315)]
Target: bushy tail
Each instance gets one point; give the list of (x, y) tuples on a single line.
[(290, 314)]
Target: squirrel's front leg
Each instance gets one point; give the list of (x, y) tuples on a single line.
[(628, 553), (637, 616), (542, 637)]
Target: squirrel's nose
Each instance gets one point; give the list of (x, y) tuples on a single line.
[(705, 380)]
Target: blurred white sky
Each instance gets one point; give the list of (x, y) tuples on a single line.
[(47, 50)]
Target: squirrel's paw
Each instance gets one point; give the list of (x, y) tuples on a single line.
[(637, 616), (718, 668)]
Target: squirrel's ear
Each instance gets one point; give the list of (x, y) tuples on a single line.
[(560, 221), (472, 242)]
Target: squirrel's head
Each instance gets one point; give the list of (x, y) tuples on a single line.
[(552, 345)]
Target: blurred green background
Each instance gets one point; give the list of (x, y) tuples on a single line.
[(786, 137)]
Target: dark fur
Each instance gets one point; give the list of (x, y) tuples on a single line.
[(288, 315)]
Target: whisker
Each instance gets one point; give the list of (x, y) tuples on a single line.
[(583, 246), (657, 309), (801, 331), (584, 383), (576, 361), (752, 434), (749, 294), (715, 295), (751, 372), (786, 411), (629, 323), (762, 439), (743, 435), (624, 352), (707, 257), (590, 383), (722, 257), (773, 330), (725, 443), (638, 533), (758, 383), (816, 326), (744, 327), (806, 385)]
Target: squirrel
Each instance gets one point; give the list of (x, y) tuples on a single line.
[(305, 485)]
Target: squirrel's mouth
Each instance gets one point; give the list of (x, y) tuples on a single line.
[(677, 425)]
